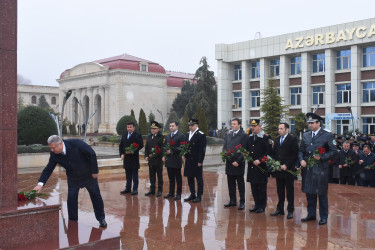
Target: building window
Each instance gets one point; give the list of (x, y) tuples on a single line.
[(295, 96), (343, 59), (274, 68), (255, 70), (255, 98), (295, 65), (318, 95), (237, 72), (237, 100), (342, 126), (369, 92), (368, 125), (318, 63), (292, 126), (143, 66), (368, 56), (33, 99), (53, 100), (344, 93)]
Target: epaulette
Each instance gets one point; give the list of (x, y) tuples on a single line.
[(201, 132)]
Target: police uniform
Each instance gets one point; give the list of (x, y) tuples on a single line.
[(259, 145), (315, 179)]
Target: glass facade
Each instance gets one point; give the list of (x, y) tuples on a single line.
[(237, 72), (343, 59), (368, 125), (274, 68), (368, 92), (255, 70), (368, 56), (319, 63), (344, 93), (295, 96), (237, 99), (295, 65), (255, 98), (318, 95)]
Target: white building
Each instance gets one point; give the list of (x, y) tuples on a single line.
[(30, 94), (333, 67)]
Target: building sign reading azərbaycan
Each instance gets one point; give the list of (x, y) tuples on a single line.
[(330, 37)]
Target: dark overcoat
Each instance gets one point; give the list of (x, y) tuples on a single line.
[(287, 154), (131, 160), (197, 146), (368, 174), (231, 142), (151, 142), (315, 179), (174, 160), (347, 171)]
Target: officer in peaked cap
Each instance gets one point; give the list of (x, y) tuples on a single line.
[(315, 178)]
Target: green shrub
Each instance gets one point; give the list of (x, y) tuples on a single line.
[(115, 138), (121, 124), (34, 148), (214, 140), (103, 138), (34, 126)]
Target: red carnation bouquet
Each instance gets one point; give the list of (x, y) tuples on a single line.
[(132, 148), (244, 152), (184, 148), (28, 195), (312, 161), (274, 165), (368, 167), (349, 161), (155, 151), (171, 144), (227, 155)]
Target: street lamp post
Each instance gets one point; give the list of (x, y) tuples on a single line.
[(66, 97), (351, 114)]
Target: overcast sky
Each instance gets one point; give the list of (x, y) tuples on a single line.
[(57, 35)]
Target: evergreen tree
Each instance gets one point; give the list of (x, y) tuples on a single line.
[(182, 99), (300, 125), (205, 94), (74, 129), (183, 127), (272, 108), (43, 102), (202, 121), (151, 117), (20, 103), (172, 117), (132, 113), (143, 129)]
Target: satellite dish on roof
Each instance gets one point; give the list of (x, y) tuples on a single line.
[(258, 35)]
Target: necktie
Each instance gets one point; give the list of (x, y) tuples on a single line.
[(129, 134), (313, 135), (172, 135), (281, 140), (234, 134)]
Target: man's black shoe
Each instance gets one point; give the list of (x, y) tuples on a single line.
[(241, 206), (259, 210), (158, 194), (149, 193), (198, 199), (177, 197), (103, 223), (125, 191), (290, 215), (252, 210), (230, 204), (277, 212), (191, 197), (322, 221), (169, 195), (134, 192), (308, 218)]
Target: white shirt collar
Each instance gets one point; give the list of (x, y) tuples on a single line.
[(316, 132), (194, 131), (64, 149)]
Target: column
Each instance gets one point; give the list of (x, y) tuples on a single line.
[(356, 85), (264, 73), (284, 79), (330, 68), (246, 67), (224, 90), (306, 69), (91, 108), (107, 104)]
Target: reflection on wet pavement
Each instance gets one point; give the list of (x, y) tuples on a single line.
[(156, 223)]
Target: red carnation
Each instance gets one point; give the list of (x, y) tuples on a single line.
[(264, 159), (183, 142), (355, 161), (228, 154), (331, 162), (22, 197), (350, 157), (172, 142), (321, 150), (238, 146), (232, 151), (135, 145)]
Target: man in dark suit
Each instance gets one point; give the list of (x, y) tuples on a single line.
[(367, 177), (131, 160), (80, 163), (259, 145), (346, 170), (286, 151), (155, 163), (194, 160), (235, 167), (173, 160), (357, 167), (315, 178)]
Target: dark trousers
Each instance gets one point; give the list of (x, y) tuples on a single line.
[(288, 185), (347, 180), (368, 183), (259, 191), (323, 205), (359, 180), (191, 183), (92, 187), (232, 179), (174, 175), (153, 170), (131, 176)]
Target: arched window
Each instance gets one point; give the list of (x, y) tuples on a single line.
[(33, 99), (53, 100)]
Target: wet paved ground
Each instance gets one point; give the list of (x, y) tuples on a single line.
[(156, 223)]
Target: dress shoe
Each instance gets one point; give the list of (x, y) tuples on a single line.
[(103, 223), (241, 206), (125, 191), (191, 197), (322, 221), (308, 218), (277, 212), (252, 210), (290, 215), (159, 194), (135, 192), (198, 199), (177, 197), (259, 210), (169, 195), (230, 204), (149, 193)]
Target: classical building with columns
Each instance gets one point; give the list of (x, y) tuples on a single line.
[(113, 86), (28, 94), (330, 68)]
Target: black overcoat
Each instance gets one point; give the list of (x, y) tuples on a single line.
[(151, 142), (231, 142), (174, 160), (197, 146), (287, 154), (131, 160)]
